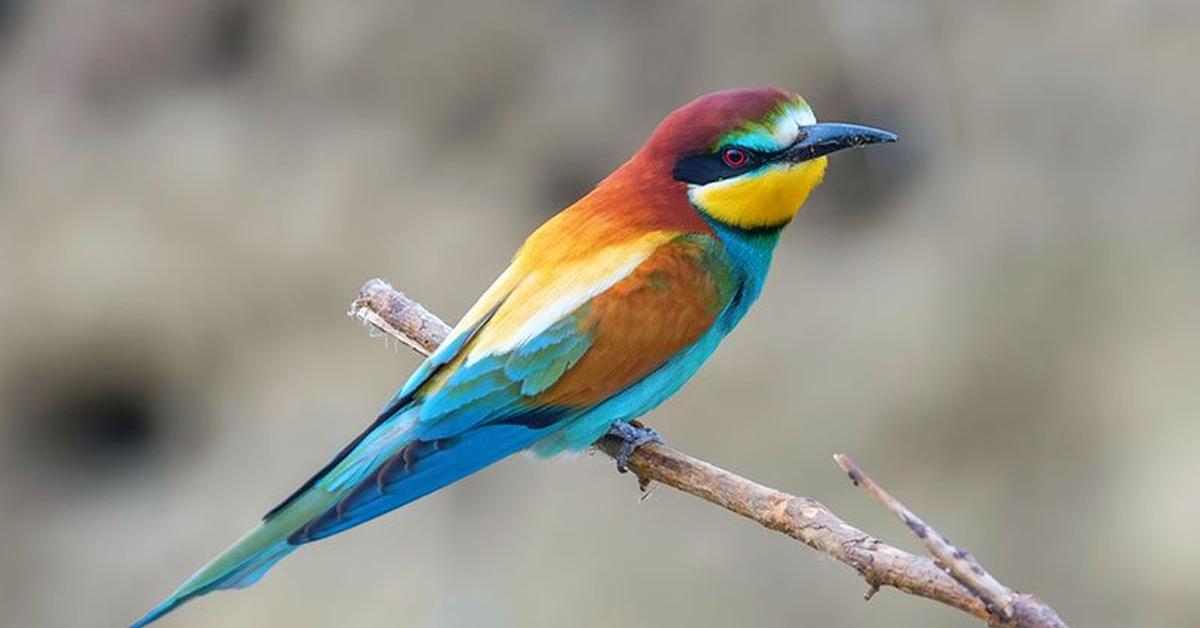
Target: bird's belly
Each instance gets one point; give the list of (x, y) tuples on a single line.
[(634, 401)]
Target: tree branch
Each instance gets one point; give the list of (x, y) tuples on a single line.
[(1004, 607), (956, 579)]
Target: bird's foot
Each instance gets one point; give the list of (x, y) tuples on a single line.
[(632, 435)]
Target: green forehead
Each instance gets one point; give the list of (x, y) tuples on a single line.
[(774, 131)]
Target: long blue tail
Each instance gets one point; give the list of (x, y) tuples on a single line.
[(358, 486), (244, 562)]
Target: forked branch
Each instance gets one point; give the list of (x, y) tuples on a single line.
[(953, 577)]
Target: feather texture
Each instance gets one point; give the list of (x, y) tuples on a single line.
[(495, 397), (605, 311)]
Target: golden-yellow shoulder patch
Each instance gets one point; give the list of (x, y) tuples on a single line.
[(544, 296)]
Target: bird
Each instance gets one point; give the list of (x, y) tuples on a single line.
[(605, 311)]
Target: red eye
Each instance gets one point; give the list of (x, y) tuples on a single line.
[(734, 157)]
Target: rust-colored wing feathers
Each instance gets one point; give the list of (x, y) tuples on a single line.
[(667, 303)]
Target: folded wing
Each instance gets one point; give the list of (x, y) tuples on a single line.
[(510, 383)]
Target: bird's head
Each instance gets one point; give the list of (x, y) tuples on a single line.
[(750, 157)]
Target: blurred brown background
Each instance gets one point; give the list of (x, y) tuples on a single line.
[(997, 317)]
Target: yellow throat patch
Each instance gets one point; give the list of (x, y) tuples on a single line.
[(765, 198)]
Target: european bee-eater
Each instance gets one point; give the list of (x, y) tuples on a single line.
[(606, 310)]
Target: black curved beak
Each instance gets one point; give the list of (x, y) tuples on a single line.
[(829, 137)]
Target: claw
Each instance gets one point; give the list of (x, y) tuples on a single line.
[(632, 435)]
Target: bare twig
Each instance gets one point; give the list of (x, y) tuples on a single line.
[(1002, 603), (388, 310), (802, 518)]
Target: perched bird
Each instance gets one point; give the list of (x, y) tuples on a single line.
[(606, 310)]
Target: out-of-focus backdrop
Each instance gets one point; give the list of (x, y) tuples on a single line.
[(997, 317)]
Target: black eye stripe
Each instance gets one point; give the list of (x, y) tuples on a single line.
[(709, 167)]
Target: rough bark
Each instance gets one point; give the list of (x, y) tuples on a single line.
[(952, 577)]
